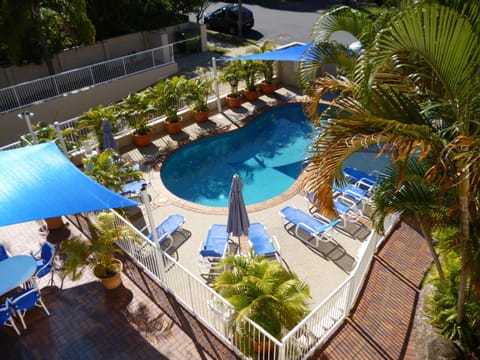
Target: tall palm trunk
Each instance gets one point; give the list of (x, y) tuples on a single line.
[(464, 237), (427, 235)]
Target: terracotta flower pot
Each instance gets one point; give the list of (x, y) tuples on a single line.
[(174, 127), (267, 88), (54, 223), (252, 95), (142, 140), (261, 347), (200, 116), (114, 281), (233, 102)]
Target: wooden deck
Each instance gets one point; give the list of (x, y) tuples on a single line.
[(380, 325)]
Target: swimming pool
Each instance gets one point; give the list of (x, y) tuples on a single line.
[(267, 153)]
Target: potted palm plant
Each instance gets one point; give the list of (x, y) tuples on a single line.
[(97, 252), (266, 68), (110, 170), (137, 107), (92, 120), (199, 90), (265, 292), (232, 74), (168, 96), (250, 70)]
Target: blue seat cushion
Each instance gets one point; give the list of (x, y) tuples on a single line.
[(260, 240), (300, 219), (168, 226), (216, 241), (357, 175)]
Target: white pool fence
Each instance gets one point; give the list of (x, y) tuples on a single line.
[(218, 314)]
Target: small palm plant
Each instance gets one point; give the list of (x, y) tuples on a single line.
[(266, 66), (98, 252), (110, 170), (264, 292), (232, 74)]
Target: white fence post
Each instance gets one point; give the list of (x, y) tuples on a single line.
[(217, 90), (56, 126)]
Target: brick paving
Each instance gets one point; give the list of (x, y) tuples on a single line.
[(380, 325), (139, 320)]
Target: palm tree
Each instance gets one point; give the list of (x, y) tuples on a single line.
[(263, 291), (412, 91), (416, 198)]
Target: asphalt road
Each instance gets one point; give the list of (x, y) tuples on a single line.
[(286, 21)]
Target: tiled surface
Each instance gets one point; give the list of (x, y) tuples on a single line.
[(137, 321), (380, 325), (140, 320)]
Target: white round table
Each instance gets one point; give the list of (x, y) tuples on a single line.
[(16, 270)]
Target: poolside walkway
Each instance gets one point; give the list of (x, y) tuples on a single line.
[(141, 320), (380, 326)]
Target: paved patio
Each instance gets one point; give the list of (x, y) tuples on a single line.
[(140, 319)]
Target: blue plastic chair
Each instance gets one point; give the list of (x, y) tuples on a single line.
[(6, 316), (3, 253), (261, 242), (26, 300), (45, 261), (320, 231)]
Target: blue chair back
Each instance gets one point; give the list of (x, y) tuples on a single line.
[(47, 252), (44, 265), (5, 313), (3, 253), (26, 299)]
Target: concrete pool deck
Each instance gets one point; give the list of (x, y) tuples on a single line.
[(323, 269)]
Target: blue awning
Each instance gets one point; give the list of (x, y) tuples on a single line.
[(293, 53), (38, 182)]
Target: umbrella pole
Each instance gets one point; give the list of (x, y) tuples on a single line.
[(153, 231)]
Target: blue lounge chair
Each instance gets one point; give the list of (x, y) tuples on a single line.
[(352, 191), (166, 230), (362, 179), (346, 208), (319, 230), (261, 242), (215, 247), (133, 188)]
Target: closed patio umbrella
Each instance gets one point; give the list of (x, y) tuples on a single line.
[(237, 221), (108, 139)]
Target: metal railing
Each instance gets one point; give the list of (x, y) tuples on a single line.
[(27, 93), (69, 132), (218, 314)]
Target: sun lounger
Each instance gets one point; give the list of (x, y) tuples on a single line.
[(346, 208), (352, 191), (361, 178), (166, 230), (319, 230), (214, 248), (261, 242), (133, 188)]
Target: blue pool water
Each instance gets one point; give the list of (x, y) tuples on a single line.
[(268, 155)]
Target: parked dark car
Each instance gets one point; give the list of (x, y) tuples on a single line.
[(226, 19)]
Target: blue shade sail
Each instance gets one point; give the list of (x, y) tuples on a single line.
[(38, 182)]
